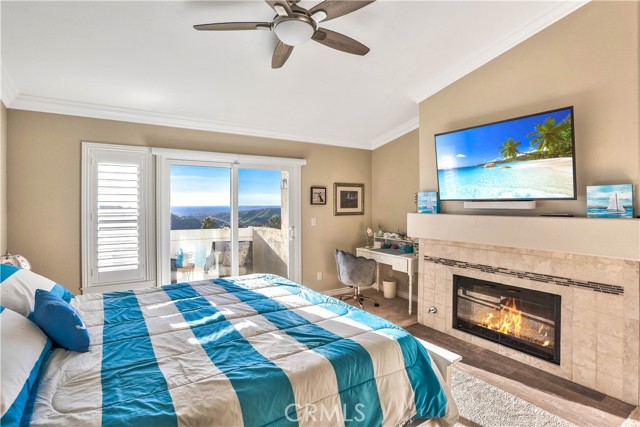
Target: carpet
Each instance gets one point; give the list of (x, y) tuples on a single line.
[(634, 419), (482, 404)]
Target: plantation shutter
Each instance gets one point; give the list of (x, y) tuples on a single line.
[(118, 230)]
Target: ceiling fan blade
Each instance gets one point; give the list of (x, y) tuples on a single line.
[(233, 26), (336, 8), (280, 55), (281, 7), (340, 42)]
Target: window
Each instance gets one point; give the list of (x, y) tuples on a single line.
[(117, 227)]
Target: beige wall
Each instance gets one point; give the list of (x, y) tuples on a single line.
[(44, 168), (3, 178), (589, 60), (395, 180)]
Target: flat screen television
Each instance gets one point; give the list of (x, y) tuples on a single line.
[(524, 158)]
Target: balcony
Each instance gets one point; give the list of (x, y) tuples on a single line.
[(207, 253)]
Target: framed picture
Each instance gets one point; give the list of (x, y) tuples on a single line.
[(610, 201), (428, 202), (348, 199), (318, 195)]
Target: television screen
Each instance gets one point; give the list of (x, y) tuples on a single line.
[(526, 158)]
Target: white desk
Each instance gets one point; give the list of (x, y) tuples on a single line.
[(398, 260)]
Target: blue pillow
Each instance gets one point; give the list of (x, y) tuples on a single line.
[(60, 322)]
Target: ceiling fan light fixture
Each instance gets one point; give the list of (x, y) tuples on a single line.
[(294, 30)]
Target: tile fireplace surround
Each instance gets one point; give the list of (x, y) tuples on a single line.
[(600, 330)]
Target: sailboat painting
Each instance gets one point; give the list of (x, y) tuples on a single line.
[(610, 201), (428, 202)]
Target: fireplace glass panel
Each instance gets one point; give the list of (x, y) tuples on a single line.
[(519, 318)]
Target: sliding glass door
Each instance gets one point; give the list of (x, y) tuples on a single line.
[(200, 209), (219, 219), (262, 221)]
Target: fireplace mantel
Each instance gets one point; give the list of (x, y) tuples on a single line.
[(612, 238)]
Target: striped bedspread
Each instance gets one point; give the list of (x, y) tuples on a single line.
[(254, 350)]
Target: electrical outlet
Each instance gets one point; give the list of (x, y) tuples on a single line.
[(319, 275), (314, 222)]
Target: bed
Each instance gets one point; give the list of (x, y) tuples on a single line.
[(255, 350)]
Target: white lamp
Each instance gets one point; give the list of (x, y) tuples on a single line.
[(294, 30), (15, 260)]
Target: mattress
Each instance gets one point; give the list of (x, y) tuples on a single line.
[(254, 350)]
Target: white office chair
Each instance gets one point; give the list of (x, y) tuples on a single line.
[(356, 272), (220, 258)]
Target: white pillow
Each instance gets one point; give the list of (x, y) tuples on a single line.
[(24, 349), (18, 288)]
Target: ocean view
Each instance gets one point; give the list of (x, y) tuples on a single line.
[(192, 217), (531, 179), (197, 210), (603, 212)]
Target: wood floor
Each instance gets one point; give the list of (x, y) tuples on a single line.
[(395, 310), (572, 402)]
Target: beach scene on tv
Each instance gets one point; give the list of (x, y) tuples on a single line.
[(525, 158)]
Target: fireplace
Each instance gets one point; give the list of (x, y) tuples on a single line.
[(523, 319)]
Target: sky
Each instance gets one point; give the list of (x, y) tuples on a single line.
[(211, 186), (482, 144), (599, 195)]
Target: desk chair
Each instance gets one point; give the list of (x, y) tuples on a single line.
[(356, 272)]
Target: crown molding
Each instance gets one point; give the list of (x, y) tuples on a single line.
[(395, 133), (12, 98), (97, 111), (8, 89), (552, 14)]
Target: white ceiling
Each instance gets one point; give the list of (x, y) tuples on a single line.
[(142, 61)]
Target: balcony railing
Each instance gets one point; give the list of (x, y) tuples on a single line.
[(207, 252)]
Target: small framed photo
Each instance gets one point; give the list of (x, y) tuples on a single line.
[(318, 195), (348, 199), (610, 201), (428, 202)]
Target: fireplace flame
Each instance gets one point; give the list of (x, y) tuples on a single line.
[(508, 321)]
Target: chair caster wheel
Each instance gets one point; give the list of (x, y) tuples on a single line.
[(376, 305)]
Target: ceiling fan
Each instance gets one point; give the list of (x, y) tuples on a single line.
[(294, 25)]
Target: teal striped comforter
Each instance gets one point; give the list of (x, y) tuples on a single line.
[(254, 350)]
